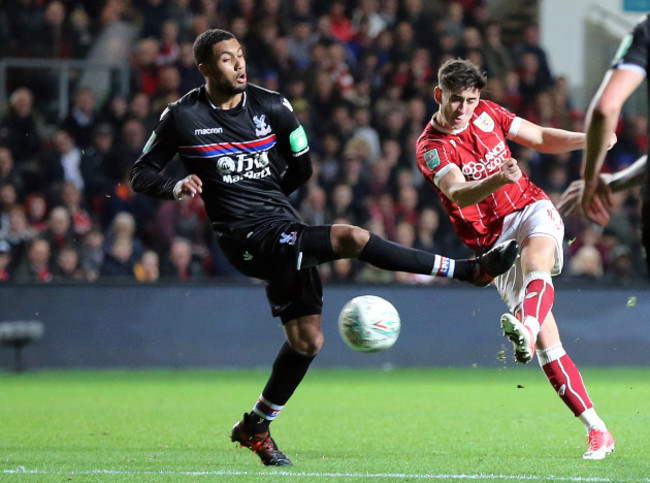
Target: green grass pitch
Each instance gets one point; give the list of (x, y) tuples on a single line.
[(499, 424)]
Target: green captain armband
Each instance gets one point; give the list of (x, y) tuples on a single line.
[(298, 140)]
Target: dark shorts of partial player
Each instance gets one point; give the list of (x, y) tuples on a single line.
[(645, 231), (278, 253)]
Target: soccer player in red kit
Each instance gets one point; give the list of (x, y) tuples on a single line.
[(463, 154)]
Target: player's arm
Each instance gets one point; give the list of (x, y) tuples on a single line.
[(146, 177), (466, 193), (548, 140), (294, 146), (602, 117)]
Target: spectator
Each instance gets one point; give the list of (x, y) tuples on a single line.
[(126, 151), (9, 174), (80, 38), (59, 230), (180, 12), (94, 166), (190, 77), (407, 205), (92, 254), (185, 218), (145, 70), (119, 261), (36, 212), (181, 264), (64, 164), (124, 226), (167, 90), (20, 129), (314, 207), (5, 262), (66, 268), (341, 25), (19, 234), (53, 39), (148, 268), (342, 271), (497, 58), (139, 109), (529, 44), (26, 24), (114, 114), (8, 199), (586, 264), (36, 267), (72, 200), (364, 130), (81, 121), (300, 42), (169, 49), (154, 14)]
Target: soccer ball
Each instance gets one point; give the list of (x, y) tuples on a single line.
[(369, 324)]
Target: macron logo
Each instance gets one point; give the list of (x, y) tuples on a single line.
[(210, 130)]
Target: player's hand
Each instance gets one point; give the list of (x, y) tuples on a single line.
[(188, 186), (596, 201), (509, 171)]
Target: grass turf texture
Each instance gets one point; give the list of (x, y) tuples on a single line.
[(341, 425)]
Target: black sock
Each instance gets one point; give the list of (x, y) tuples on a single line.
[(288, 371), (398, 258), (465, 269)]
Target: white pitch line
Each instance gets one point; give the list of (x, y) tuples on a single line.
[(479, 476)]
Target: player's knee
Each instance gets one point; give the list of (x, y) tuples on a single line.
[(308, 344), (348, 241)]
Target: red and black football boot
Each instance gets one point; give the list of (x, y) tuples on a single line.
[(259, 443)]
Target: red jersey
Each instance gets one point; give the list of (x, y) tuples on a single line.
[(478, 150)]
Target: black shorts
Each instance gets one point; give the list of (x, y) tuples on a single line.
[(274, 252), (645, 231)]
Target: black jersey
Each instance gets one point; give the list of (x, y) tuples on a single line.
[(634, 49), (244, 156)]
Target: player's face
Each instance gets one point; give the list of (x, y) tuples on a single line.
[(457, 107), (227, 69)]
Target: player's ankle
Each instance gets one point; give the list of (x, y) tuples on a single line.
[(533, 324)]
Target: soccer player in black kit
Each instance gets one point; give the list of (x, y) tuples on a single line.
[(246, 152)]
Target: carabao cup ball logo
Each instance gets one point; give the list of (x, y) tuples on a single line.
[(225, 165)]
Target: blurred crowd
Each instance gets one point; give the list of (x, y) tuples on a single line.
[(360, 76)]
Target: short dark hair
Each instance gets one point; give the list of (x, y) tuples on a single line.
[(457, 74), (204, 42)]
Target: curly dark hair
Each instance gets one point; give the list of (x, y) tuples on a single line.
[(204, 42), (457, 74)]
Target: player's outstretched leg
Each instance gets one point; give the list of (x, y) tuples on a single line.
[(601, 443), (522, 335), (259, 443), (494, 262)]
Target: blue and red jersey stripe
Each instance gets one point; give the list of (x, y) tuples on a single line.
[(220, 149)]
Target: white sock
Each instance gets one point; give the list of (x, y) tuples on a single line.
[(591, 420)]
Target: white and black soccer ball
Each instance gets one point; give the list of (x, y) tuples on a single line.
[(369, 324)]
